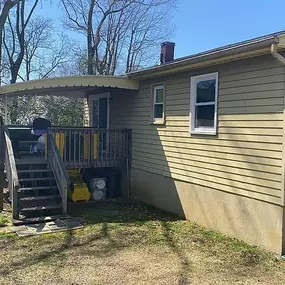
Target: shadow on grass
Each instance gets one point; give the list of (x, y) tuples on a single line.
[(32, 258), (119, 212), (110, 227), (183, 259)]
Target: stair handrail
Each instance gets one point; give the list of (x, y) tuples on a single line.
[(60, 173), (11, 172)]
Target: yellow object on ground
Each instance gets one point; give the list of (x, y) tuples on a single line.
[(80, 191)]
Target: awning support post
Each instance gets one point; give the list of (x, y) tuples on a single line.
[(6, 110)]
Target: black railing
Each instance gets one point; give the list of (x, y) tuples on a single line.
[(82, 147)]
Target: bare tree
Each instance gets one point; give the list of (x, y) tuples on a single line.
[(16, 32), (5, 7), (149, 26), (45, 51), (118, 31), (37, 38)]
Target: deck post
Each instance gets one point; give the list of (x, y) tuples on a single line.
[(129, 162), (2, 160), (2, 180), (1, 189), (129, 147), (6, 109)]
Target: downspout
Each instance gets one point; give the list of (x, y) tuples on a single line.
[(281, 59), (277, 55)]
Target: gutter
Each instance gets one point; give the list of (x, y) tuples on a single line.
[(201, 59)]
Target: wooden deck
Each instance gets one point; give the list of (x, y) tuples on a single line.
[(38, 183)]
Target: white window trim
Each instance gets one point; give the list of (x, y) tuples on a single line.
[(155, 88), (193, 104)]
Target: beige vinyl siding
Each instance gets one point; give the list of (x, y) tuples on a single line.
[(245, 157)]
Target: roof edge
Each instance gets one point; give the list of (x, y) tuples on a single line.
[(70, 83), (200, 59)]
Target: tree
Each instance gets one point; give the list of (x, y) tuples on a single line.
[(37, 38), (5, 7), (45, 51), (117, 31), (63, 111), (32, 51), (81, 18), (16, 32)]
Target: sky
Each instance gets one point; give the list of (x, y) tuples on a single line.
[(205, 24)]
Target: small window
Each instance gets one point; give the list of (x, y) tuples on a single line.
[(158, 104), (203, 100)]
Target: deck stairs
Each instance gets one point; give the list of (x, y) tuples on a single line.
[(38, 198)]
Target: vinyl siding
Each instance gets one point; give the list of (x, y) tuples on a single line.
[(245, 157)]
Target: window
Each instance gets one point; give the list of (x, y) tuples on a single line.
[(203, 104), (158, 104)]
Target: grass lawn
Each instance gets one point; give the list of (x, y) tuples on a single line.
[(124, 243), (3, 220)]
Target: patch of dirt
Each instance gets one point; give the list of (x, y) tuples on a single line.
[(134, 245)]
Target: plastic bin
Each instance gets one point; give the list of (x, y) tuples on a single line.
[(112, 175)]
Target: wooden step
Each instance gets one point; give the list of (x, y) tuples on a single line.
[(30, 161), (40, 208), (31, 142), (38, 198), (18, 222), (37, 188), (34, 171), (36, 179)]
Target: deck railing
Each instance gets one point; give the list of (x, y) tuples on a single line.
[(2, 162), (11, 172), (82, 147), (56, 164)]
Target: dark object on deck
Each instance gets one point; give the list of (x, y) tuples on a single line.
[(113, 181), (18, 134), (40, 126)]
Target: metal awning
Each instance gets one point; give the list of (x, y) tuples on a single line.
[(68, 86)]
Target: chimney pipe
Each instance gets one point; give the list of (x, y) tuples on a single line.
[(167, 52)]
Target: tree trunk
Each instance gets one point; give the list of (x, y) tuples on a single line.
[(8, 5), (90, 50)]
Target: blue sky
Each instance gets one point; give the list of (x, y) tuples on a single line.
[(206, 24)]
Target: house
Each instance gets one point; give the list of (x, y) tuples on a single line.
[(205, 134)]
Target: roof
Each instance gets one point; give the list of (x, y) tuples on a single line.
[(69, 85), (252, 47)]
